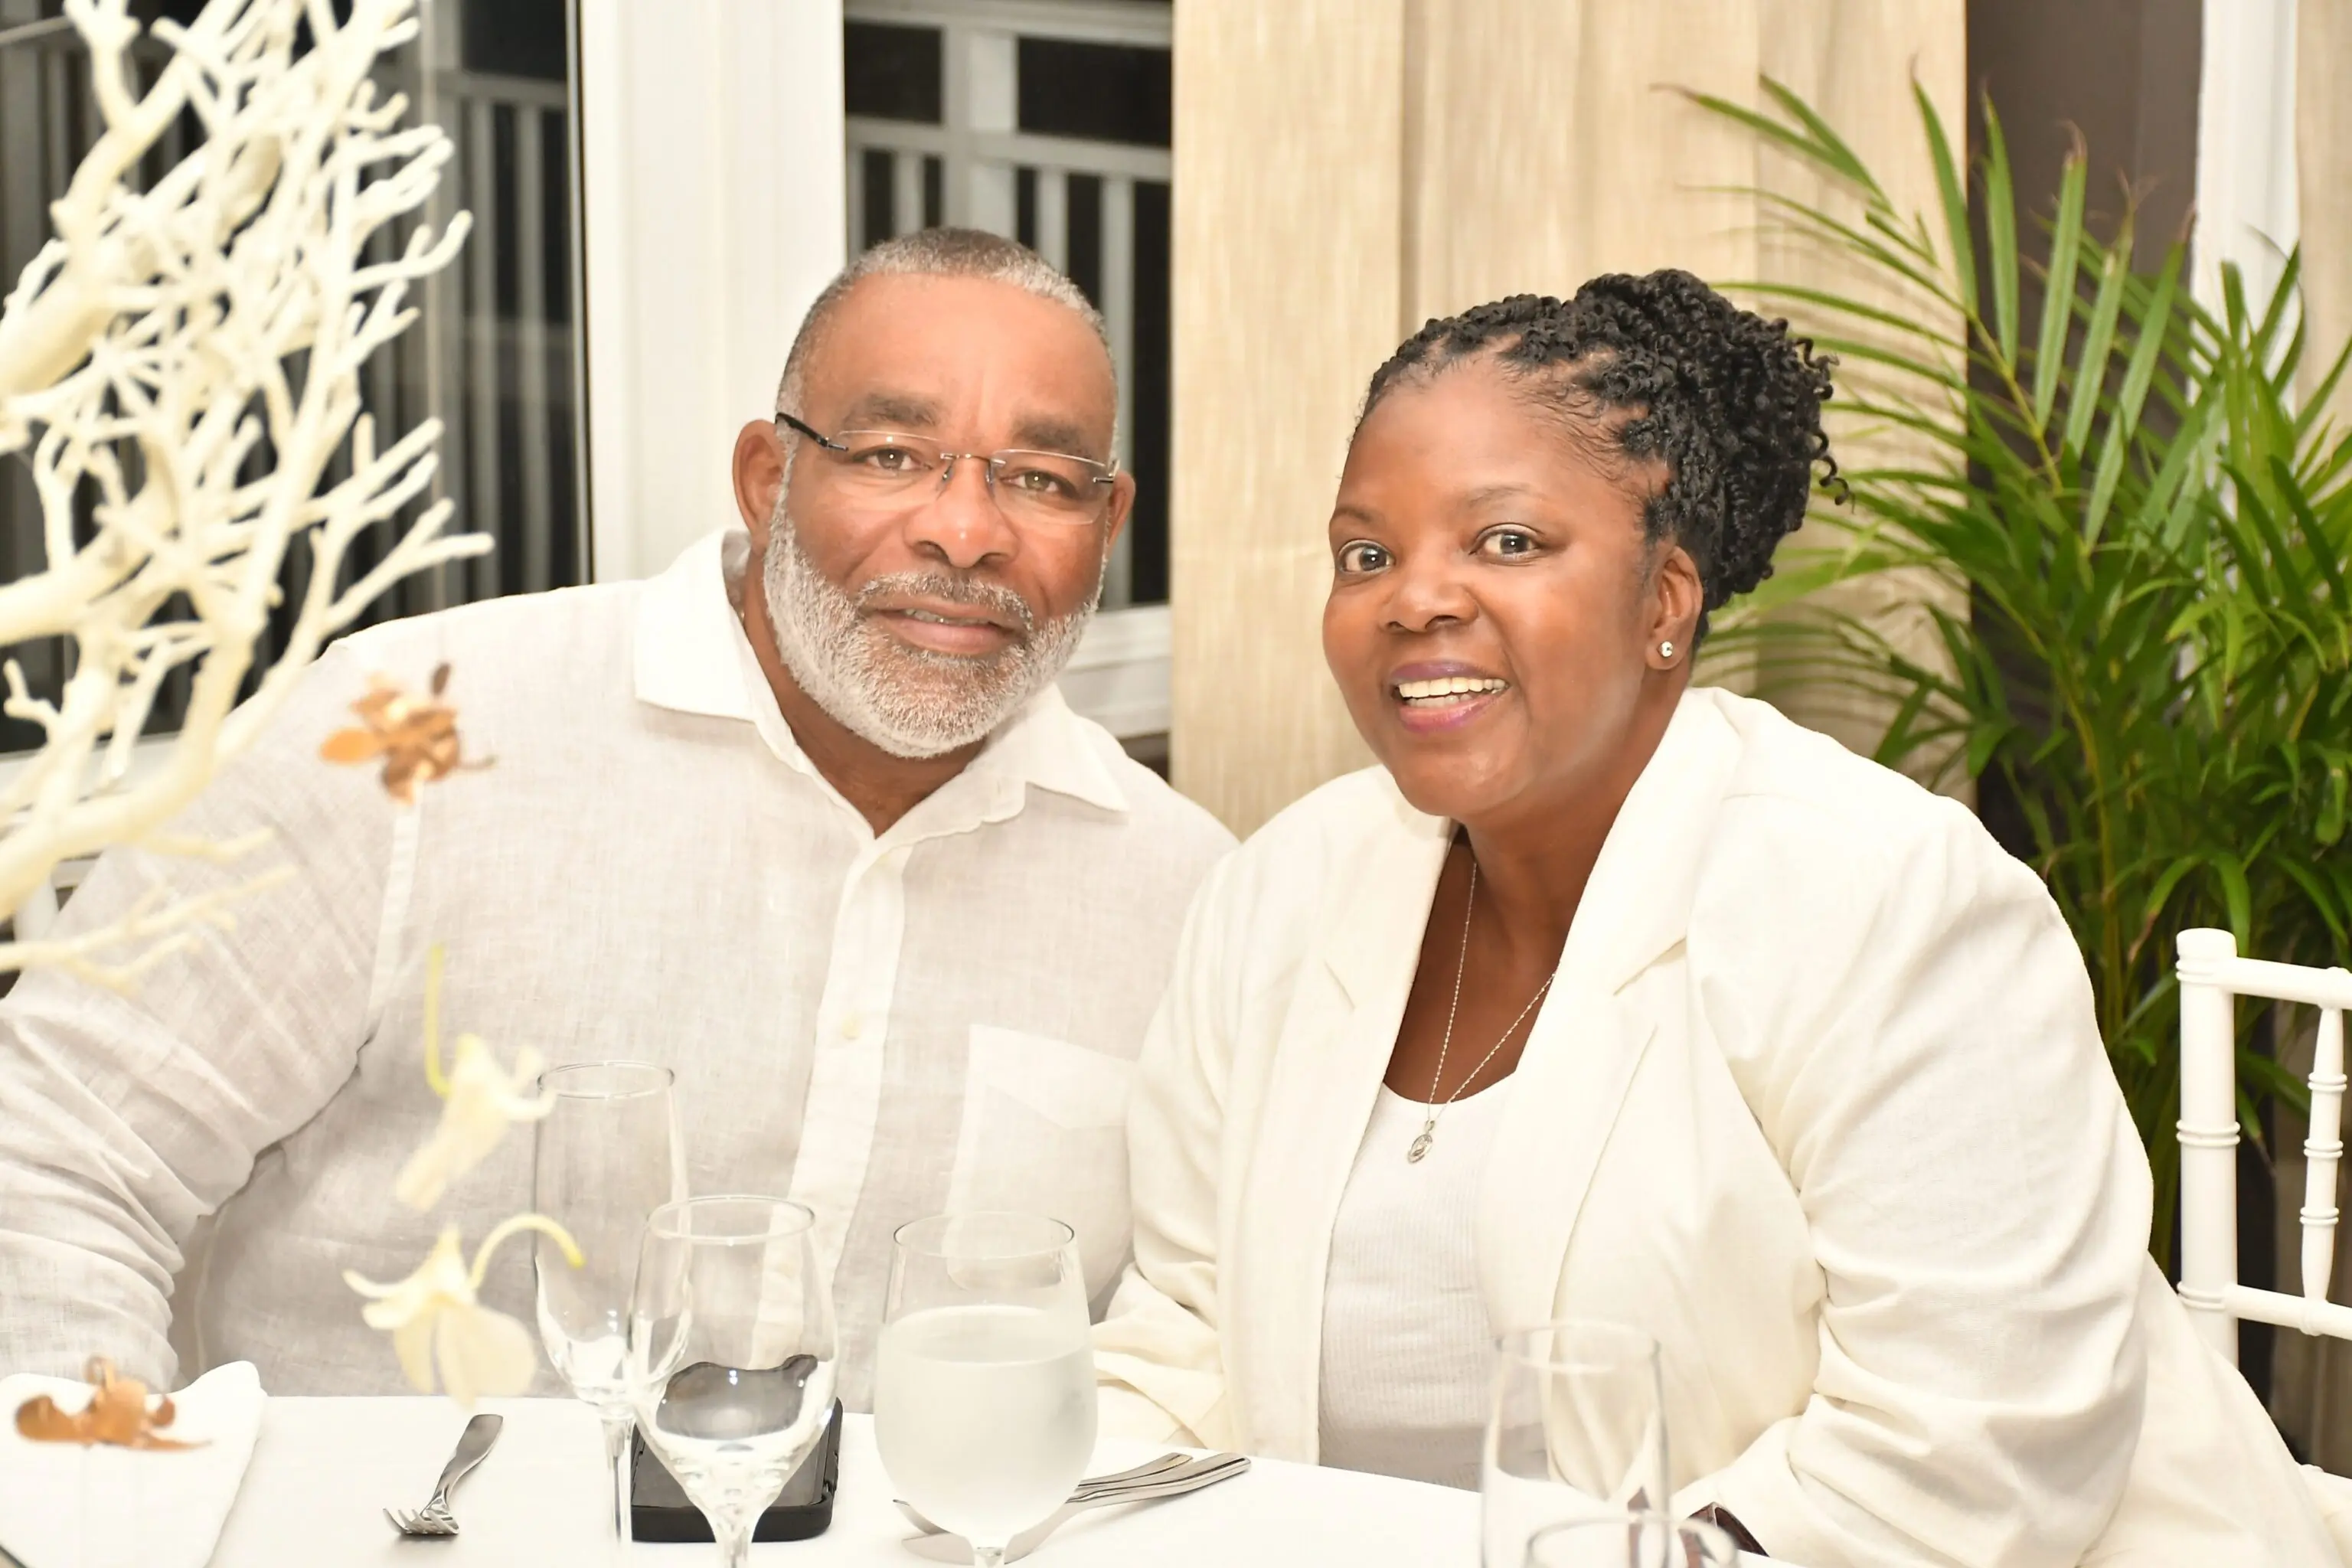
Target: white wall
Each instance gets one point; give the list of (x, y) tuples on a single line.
[(712, 159)]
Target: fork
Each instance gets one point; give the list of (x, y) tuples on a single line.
[(1171, 1474), (435, 1518)]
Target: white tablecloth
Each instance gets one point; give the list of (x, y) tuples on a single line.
[(325, 1469)]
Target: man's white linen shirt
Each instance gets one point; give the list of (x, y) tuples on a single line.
[(883, 1027)]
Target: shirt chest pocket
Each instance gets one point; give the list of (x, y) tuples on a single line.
[(1044, 1131)]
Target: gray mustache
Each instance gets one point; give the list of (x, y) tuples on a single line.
[(955, 590)]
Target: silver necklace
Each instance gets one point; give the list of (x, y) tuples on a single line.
[(1446, 1043)]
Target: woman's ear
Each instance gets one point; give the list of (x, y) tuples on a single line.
[(1676, 598)]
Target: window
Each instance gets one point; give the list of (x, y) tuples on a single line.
[(494, 356), (1046, 120)]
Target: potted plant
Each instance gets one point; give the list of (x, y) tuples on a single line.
[(2152, 540)]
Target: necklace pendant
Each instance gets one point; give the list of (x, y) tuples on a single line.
[(1421, 1144)]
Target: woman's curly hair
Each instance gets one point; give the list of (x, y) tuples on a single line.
[(1727, 401)]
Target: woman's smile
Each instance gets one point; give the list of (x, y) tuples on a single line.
[(1430, 698)]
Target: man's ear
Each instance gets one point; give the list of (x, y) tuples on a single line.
[(1678, 595), (759, 475), (1122, 507)]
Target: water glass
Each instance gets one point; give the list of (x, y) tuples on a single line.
[(1576, 1431), (603, 1160), (731, 1353), (984, 1377), (1630, 1541)]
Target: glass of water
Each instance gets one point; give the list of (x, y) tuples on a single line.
[(603, 1160), (731, 1353), (984, 1378), (1578, 1431), (1630, 1541)]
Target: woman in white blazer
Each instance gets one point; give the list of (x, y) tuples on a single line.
[(1697, 1020)]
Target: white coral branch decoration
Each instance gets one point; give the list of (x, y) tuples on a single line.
[(166, 344)]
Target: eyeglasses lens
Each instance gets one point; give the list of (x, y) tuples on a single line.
[(885, 469)]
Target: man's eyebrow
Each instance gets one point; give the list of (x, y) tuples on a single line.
[(891, 410), (1043, 433)]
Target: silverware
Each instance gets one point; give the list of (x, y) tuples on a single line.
[(1159, 1478), (1144, 1471), (435, 1518), (1086, 1487)]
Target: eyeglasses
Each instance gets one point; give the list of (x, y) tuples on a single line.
[(891, 469)]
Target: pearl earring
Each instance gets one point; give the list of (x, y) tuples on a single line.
[(1665, 650)]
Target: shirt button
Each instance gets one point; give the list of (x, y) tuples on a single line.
[(852, 1026)]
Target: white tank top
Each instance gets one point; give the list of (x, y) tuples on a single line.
[(1408, 1355)]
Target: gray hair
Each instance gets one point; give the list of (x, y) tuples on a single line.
[(935, 253)]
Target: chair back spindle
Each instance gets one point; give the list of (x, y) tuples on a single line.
[(2213, 977), (2323, 1152)]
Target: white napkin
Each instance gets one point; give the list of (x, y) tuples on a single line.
[(65, 1506)]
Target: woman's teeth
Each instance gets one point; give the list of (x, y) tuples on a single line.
[(1449, 691)]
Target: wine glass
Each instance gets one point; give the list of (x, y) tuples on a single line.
[(1578, 1431), (603, 1158), (1630, 1541), (731, 1353), (984, 1378)]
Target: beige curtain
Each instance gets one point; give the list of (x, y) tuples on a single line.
[(2322, 163), (1349, 168), (2311, 1379)]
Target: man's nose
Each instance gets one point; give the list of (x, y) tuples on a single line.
[(961, 525)]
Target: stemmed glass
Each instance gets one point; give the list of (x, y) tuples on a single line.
[(731, 1353), (605, 1157), (1630, 1541), (984, 1378), (1578, 1431)]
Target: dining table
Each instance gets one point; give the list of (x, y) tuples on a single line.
[(324, 1470)]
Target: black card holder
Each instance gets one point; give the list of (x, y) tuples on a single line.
[(660, 1511)]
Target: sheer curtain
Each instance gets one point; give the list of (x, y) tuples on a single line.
[(1352, 167), (712, 138)]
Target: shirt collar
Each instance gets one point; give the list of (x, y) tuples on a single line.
[(688, 634), (692, 657)]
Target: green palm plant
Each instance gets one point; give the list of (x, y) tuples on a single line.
[(2150, 538)]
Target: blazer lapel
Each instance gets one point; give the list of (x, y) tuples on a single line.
[(1563, 1102), (1336, 1041), (1589, 1040)]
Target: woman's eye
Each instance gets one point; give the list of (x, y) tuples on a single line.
[(1508, 542), (1360, 556)]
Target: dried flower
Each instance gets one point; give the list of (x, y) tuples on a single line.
[(480, 1100), (117, 1414), (415, 736), (437, 1322)]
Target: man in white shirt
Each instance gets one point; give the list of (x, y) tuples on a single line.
[(804, 819)]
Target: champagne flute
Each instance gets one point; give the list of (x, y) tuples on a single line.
[(731, 1353), (984, 1378), (1578, 1431), (1630, 1541), (603, 1158)]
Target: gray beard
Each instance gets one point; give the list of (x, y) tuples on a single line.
[(909, 701)]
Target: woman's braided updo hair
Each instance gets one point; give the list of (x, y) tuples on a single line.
[(1727, 401)]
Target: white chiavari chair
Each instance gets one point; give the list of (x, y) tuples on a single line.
[(2213, 977)]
